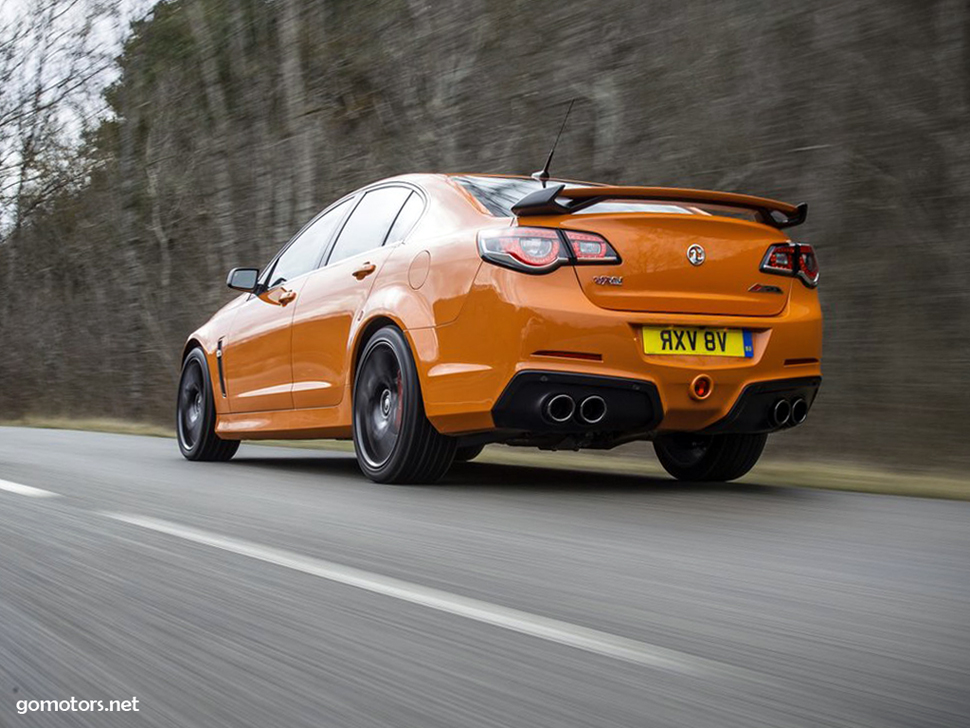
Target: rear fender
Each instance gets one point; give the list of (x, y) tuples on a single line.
[(409, 316)]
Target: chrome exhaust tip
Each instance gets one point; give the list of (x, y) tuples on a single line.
[(781, 413), (592, 409), (559, 408), (799, 411)]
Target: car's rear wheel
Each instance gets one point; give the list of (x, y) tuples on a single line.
[(394, 441), (468, 453), (195, 417), (689, 456)]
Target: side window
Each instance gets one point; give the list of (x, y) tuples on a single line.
[(406, 218), (303, 253), (369, 223)]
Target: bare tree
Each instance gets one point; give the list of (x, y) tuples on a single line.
[(53, 65), (296, 119), (219, 138)]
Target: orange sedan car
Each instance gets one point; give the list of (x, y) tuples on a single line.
[(426, 315)]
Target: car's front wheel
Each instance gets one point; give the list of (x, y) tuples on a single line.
[(394, 441), (694, 457), (195, 417)]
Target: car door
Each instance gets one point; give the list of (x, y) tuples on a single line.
[(256, 351), (335, 293)]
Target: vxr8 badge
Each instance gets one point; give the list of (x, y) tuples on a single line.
[(608, 280)]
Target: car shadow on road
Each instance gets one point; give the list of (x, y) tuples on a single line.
[(493, 476), (532, 477)]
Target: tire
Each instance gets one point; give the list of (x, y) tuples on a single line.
[(195, 414), (699, 458), (393, 439), (468, 453)]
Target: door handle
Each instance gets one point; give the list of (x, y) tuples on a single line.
[(286, 297), (365, 270)]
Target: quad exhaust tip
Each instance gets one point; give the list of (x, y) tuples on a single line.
[(799, 411), (592, 409), (559, 408), (781, 413)]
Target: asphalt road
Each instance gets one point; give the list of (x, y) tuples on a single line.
[(283, 589)]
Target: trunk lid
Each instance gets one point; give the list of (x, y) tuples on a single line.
[(658, 277)]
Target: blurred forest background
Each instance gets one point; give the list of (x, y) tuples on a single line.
[(140, 160)]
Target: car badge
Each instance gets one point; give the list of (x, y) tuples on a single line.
[(696, 255), (762, 288), (608, 280)]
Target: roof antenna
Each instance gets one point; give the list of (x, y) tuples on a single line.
[(543, 174)]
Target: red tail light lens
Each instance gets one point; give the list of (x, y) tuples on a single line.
[(529, 249), (780, 259), (792, 259), (807, 265), (540, 250), (590, 248)]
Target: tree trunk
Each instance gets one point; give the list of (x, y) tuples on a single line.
[(297, 121), (218, 111)]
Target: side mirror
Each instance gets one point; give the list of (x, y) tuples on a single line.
[(243, 279)]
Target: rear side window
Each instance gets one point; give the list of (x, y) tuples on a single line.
[(303, 254), (369, 223), (405, 220)]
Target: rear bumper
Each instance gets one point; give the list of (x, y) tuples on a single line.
[(628, 406), (753, 410), (512, 324), (631, 409)]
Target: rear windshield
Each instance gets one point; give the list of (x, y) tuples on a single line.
[(498, 194)]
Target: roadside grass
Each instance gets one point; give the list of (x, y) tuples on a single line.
[(839, 476), (118, 427)]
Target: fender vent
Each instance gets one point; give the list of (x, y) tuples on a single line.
[(222, 377)]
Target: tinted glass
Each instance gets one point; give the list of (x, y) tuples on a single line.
[(369, 223), (635, 206), (405, 220), (304, 252), (498, 194)]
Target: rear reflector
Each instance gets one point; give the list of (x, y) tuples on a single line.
[(582, 355)]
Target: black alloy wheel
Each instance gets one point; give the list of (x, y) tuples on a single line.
[(695, 457), (195, 414), (393, 439)]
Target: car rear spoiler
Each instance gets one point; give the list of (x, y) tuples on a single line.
[(558, 200)]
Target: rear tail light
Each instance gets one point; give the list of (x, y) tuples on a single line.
[(541, 250), (792, 259), (590, 248), (530, 249)]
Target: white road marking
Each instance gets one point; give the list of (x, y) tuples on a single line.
[(28, 490), (554, 630)]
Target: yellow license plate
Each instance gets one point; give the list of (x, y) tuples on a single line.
[(691, 341)]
